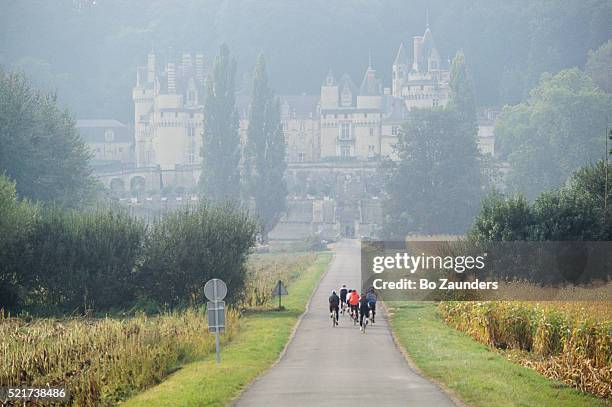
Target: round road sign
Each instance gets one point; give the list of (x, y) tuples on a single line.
[(215, 289)]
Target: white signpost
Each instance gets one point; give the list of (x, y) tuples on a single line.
[(215, 291)]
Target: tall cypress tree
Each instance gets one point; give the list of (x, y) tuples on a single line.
[(462, 91), (264, 155), (220, 179)]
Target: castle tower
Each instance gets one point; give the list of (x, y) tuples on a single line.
[(186, 64), (417, 43), (399, 71), (329, 92), (199, 68), (151, 67), (370, 90), (143, 96), (171, 72)]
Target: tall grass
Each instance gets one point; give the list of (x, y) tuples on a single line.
[(569, 342), (264, 271), (102, 361)]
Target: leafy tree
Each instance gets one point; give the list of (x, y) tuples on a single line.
[(566, 215), (192, 245), (434, 187), (572, 212), (599, 66), (556, 131), (220, 179), (74, 261), (462, 91), (41, 148), (16, 219), (264, 153), (502, 219)]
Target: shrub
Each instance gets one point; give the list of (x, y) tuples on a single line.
[(188, 247)]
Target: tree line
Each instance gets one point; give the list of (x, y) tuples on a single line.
[(65, 261), (439, 178)]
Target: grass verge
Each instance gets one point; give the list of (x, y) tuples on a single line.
[(479, 376), (262, 337)]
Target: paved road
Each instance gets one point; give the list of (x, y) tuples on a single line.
[(326, 366)]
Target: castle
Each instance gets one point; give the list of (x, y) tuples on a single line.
[(334, 139)]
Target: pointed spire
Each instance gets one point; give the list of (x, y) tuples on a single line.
[(427, 19), (329, 79), (400, 58), (369, 58)]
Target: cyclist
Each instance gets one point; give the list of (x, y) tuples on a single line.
[(364, 311), (371, 298), (334, 303), (343, 293), (353, 301)]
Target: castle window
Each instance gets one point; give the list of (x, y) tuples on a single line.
[(301, 157), (435, 103), (394, 130), (345, 131), (345, 151), (109, 135), (371, 131)]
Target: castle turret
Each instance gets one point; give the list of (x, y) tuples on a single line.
[(171, 72), (199, 68), (417, 42), (329, 92), (399, 71), (186, 64), (151, 67), (370, 90)]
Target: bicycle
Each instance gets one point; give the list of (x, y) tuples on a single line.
[(372, 313), (334, 318), (343, 310), (364, 324), (354, 316)]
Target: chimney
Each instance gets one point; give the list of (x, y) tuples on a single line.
[(199, 67), (416, 52), (151, 67), (171, 78)]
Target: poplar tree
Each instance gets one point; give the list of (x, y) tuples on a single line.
[(462, 91), (264, 155), (220, 179)]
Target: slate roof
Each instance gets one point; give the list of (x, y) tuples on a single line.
[(93, 130)]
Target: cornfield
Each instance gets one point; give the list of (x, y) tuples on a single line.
[(568, 342), (102, 361)]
